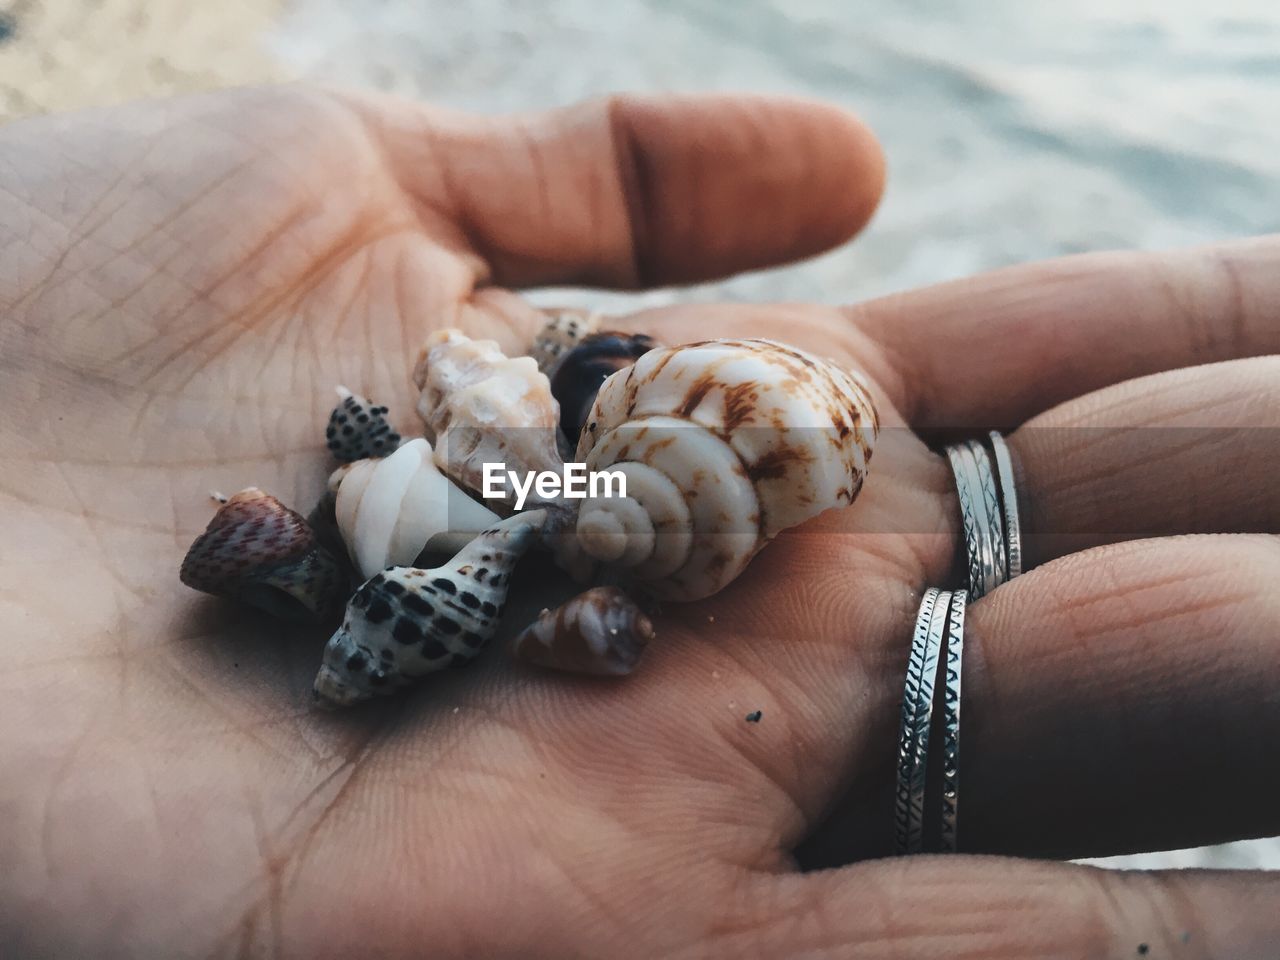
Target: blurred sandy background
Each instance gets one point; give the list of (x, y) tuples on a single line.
[(1015, 129)]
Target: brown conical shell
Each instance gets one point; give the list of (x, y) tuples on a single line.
[(601, 631), (258, 551)]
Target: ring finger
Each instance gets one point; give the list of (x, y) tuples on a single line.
[(1115, 700)]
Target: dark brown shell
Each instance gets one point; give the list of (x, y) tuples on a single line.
[(258, 551), (601, 631), (578, 377)]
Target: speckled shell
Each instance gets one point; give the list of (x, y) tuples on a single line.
[(563, 331), (258, 551), (480, 406), (724, 444), (601, 631), (405, 622), (390, 510), (357, 429), (583, 369)]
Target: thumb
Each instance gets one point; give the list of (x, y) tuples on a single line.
[(994, 908), (632, 191)]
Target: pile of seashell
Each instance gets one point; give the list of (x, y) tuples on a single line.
[(722, 444)]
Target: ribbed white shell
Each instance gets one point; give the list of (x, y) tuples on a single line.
[(480, 406), (724, 444), (390, 510)]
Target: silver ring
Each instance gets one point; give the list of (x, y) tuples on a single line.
[(906, 730), (982, 518), (991, 508), (951, 722), (988, 578), (917, 714), (969, 507), (1009, 497)]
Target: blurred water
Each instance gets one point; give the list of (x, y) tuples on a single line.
[(1015, 129)]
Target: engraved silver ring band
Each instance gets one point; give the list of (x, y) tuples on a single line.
[(992, 536)]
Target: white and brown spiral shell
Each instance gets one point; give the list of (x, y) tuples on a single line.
[(724, 444)]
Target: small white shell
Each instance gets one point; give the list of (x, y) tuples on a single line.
[(724, 444), (480, 406), (405, 623), (392, 509)]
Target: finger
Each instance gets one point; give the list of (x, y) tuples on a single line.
[(998, 909), (996, 349), (1116, 700), (1122, 699), (1185, 451), (632, 191)]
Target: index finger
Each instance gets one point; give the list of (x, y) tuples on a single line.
[(631, 191)]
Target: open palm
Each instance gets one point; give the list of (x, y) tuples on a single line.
[(183, 282)]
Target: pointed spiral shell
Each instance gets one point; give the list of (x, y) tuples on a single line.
[(405, 622), (723, 444), (258, 551), (357, 429), (480, 406), (392, 509)]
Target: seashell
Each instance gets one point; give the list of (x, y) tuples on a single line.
[(406, 622), (481, 406), (357, 429), (723, 444), (324, 513), (562, 332), (323, 518), (258, 551), (578, 376), (391, 510), (601, 631)]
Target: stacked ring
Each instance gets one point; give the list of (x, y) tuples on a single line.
[(951, 722), (993, 551), (1008, 496), (939, 624), (917, 715), (988, 513)]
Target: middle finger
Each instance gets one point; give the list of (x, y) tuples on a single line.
[(1186, 451)]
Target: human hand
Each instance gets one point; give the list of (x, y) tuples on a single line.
[(181, 284)]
